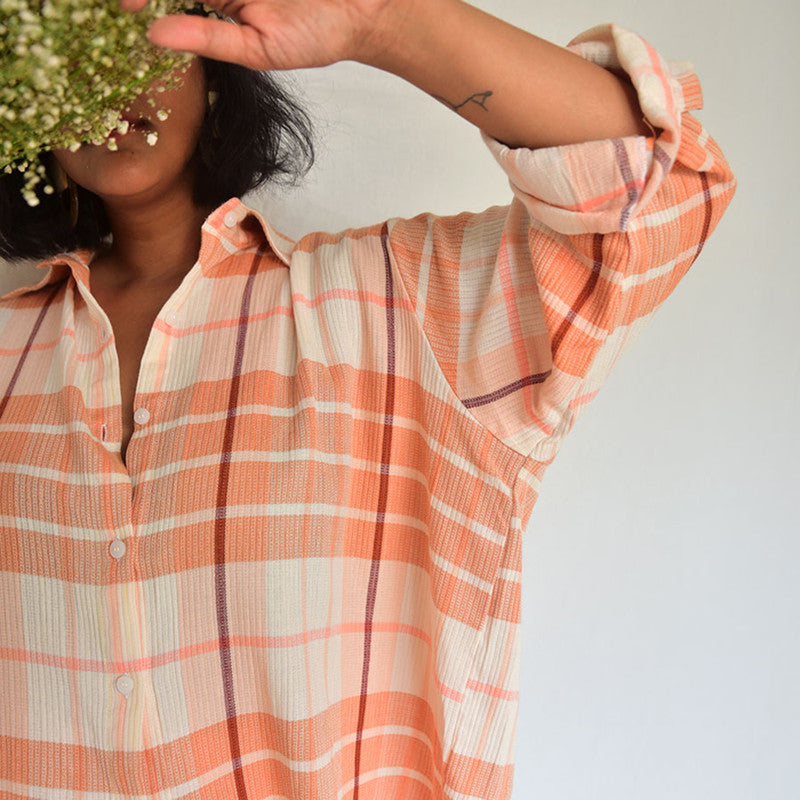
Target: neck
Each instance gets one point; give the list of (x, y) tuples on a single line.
[(154, 242)]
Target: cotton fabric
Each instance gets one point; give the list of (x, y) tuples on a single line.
[(305, 583)]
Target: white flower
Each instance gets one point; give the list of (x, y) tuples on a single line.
[(68, 66)]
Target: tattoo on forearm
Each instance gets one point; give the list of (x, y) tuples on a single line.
[(479, 98)]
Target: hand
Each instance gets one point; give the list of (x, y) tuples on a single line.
[(283, 34)]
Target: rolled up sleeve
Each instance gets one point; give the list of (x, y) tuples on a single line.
[(545, 294)]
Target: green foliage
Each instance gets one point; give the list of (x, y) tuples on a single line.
[(68, 68)]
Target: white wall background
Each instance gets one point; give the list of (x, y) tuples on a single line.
[(661, 618)]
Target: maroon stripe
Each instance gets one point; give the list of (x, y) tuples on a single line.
[(662, 158), (386, 457), (625, 170), (484, 399), (584, 295), (18, 369), (220, 587), (627, 175)]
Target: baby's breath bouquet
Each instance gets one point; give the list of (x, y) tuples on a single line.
[(67, 70)]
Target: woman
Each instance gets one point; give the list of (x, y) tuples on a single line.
[(262, 500)]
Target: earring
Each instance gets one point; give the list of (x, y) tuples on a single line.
[(212, 98), (59, 176), (63, 183), (73, 202)]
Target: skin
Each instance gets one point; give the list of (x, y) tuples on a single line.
[(518, 88), (146, 190)]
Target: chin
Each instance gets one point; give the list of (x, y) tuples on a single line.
[(132, 187)]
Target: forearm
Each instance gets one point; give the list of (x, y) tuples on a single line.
[(520, 89)]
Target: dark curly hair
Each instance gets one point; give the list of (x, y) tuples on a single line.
[(254, 133)]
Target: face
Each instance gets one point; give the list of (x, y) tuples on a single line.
[(138, 171)]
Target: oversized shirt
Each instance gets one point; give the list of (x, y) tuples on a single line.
[(305, 582)]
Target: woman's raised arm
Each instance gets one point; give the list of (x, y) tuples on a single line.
[(521, 90)]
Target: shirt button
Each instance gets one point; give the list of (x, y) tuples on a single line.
[(124, 684), (117, 548), (141, 415), (231, 219), (172, 317)]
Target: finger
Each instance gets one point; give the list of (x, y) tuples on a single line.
[(207, 37), (132, 5)]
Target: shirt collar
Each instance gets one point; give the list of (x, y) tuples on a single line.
[(233, 226)]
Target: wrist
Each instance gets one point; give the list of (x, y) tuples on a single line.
[(399, 38)]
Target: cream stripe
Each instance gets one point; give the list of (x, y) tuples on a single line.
[(254, 511)]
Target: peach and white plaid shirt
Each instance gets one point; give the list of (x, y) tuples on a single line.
[(305, 583)]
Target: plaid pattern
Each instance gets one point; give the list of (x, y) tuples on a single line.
[(306, 581)]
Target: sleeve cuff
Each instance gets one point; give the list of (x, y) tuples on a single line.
[(600, 186)]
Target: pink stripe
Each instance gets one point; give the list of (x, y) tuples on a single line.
[(599, 200), (49, 345), (449, 692), (323, 297), (656, 65), (583, 399), (212, 645), (356, 296), (492, 691)]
